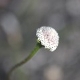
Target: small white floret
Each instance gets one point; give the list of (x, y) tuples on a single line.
[(48, 37)]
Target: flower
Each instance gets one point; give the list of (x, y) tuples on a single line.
[(48, 37)]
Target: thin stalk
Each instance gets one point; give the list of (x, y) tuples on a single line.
[(34, 51)]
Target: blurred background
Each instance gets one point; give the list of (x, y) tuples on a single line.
[(19, 20)]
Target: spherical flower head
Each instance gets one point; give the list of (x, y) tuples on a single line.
[(48, 37)]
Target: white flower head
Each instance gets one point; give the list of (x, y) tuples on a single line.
[(48, 37)]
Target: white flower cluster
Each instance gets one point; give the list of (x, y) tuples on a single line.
[(48, 37)]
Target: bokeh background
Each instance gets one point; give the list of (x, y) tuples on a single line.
[(19, 20)]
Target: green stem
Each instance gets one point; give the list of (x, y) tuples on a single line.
[(38, 46)]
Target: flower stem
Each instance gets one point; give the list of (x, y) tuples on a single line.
[(37, 47)]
